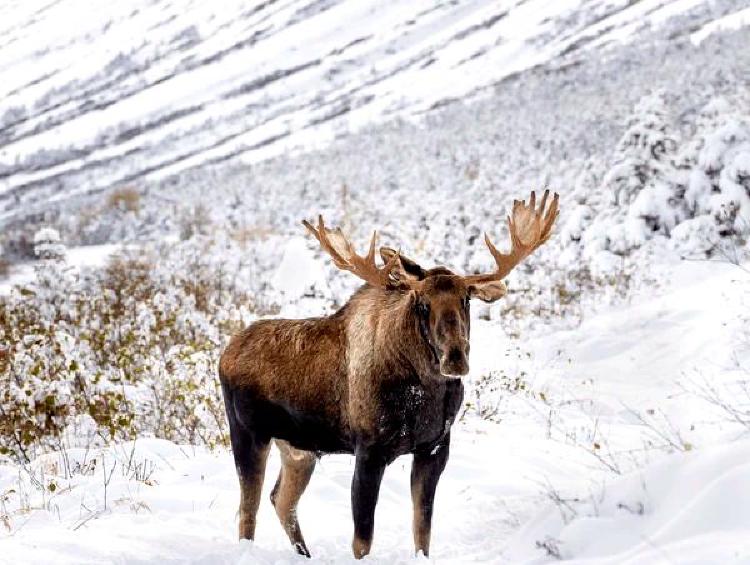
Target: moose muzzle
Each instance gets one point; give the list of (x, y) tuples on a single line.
[(454, 360)]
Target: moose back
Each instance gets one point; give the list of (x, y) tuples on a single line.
[(379, 378)]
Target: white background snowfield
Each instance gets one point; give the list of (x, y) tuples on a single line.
[(156, 160)]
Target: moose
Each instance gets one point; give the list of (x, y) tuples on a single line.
[(379, 378)]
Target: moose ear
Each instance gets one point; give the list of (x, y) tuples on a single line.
[(405, 269), (488, 291)]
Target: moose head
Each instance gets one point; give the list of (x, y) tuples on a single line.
[(441, 298)]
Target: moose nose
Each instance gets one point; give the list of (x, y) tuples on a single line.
[(454, 362), (455, 356)]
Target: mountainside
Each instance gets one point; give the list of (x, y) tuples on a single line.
[(96, 96)]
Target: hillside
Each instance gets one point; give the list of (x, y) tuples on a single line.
[(141, 91)]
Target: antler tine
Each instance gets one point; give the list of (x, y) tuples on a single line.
[(544, 200), (550, 217), (335, 243), (371, 251), (320, 235), (529, 227)]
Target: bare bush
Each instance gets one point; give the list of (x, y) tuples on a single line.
[(247, 234), (731, 399), (486, 395), (126, 199), (195, 221), (551, 547)]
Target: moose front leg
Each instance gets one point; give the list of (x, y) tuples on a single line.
[(425, 474), (368, 473)]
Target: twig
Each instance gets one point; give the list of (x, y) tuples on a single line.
[(89, 518)]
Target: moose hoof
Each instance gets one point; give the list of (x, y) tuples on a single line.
[(361, 547), (301, 548)]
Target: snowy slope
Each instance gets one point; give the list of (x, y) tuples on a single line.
[(117, 93), (173, 504), (691, 508)]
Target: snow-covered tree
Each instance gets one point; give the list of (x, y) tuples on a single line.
[(715, 172), (641, 181), (720, 183), (47, 244)]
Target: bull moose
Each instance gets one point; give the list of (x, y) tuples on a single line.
[(377, 379)]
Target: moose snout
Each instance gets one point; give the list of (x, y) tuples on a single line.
[(455, 361)]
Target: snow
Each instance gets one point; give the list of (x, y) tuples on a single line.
[(93, 255), (169, 503), (298, 271), (146, 90), (653, 339), (80, 257), (735, 20), (188, 512), (690, 508)]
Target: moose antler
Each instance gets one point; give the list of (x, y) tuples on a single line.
[(529, 228), (335, 243)]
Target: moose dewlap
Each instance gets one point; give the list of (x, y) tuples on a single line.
[(378, 379)]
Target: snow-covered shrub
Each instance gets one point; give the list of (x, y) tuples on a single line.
[(719, 183), (195, 221), (133, 346), (698, 235), (48, 246), (187, 398), (45, 383), (714, 181), (486, 394), (117, 216)]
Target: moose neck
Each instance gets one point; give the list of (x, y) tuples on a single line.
[(397, 344)]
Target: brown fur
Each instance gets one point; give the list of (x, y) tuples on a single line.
[(291, 361), (297, 467), (336, 369), (317, 363)]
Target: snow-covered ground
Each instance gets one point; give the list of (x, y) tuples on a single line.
[(154, 501)]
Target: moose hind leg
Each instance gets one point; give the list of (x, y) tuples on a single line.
[(425, 474), (250, 455), (297, 467)]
